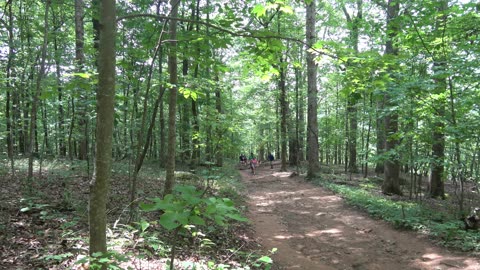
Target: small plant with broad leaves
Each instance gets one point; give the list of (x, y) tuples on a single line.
[(187, 207), (99, 260)]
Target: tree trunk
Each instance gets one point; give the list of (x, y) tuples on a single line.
[(379, 166), (9, 87), (105, 117), (36, 94), (353, 25), (437, 187), (172, 107), (219, 128), (312, 124), (283, 116), (391, 183), (79, 64)]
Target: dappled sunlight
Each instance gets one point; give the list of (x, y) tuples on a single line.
[(433, 259), (302, 212), (333, 232), (431, 256), (282, 174), (283, 237)]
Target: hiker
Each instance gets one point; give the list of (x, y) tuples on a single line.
[(253, 162), (271, 158)]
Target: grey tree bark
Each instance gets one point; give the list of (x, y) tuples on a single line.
[(172, 103), (104, 129), (312, 124)]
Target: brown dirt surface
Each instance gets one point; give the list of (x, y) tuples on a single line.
[(315, 229)]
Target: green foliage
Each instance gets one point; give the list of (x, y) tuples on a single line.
[(98, 260), (187, 207)]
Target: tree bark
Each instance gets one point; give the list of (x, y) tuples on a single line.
[(36, 94), (219, 128), (172, 104), (283, 116), (437, 187), (9, 87), (391, 183), (104, 130), (312, 124), (79, 64)]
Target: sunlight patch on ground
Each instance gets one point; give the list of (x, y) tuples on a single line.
[(434, 259), (282, 174), (283, 237), (302, 212), (330, 198), (431, 256), (321, 232)]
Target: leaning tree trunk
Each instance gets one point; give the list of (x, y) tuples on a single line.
[(104, 131), (312, 124)]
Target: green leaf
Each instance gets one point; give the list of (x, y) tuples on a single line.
[(169, 221), (97, 254), (197, 220), (287, 9), (144, 225), (265, 259), (259, 10)]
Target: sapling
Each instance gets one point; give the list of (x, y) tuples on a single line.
[(187, 206)]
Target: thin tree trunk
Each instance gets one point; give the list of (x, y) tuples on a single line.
[(9, 87), (79, 64), (104, 130), (36, 94), (437, 187), (283, 116), (219, 128), (172, 107)]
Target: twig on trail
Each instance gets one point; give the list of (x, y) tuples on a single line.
[(450, 264)]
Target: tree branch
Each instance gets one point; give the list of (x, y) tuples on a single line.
[(243, 33)]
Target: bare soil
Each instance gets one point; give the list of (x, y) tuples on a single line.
[(313, 228)]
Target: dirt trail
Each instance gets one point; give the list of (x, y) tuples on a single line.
[(315, 229)]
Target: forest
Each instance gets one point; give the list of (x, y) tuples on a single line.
[(122, 123)]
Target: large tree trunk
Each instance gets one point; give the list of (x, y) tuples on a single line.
[(312, 124), (172, 104), (391, 183), (104, 131)]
